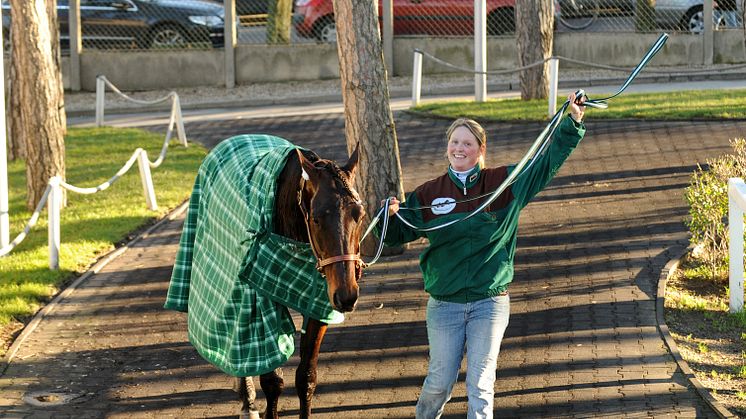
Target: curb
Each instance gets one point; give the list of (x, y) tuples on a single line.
[(96, 268), (703, 392)]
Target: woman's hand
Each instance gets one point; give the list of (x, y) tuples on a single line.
[(393, 205), (576, 110)]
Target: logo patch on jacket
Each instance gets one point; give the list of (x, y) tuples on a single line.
[(442, 206)]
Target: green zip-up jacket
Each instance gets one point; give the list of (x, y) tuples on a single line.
[(473, 259)]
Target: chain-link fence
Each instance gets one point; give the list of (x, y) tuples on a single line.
[(199, 24), (139, 24), (685, 16)]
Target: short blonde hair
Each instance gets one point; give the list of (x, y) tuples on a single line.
[(476, 130)]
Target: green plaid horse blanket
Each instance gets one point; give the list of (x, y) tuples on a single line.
[(234, 277)]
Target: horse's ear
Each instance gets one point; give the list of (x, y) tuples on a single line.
[(309, 171), (351, 165)]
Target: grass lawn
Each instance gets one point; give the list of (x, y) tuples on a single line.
[(691, 104), (91, 224)]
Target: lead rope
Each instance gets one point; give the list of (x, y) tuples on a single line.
[(527, 161)]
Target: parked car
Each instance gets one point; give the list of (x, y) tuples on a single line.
[(689, 14), (315, 18), (572, 8), (140, 23), (252, 7)]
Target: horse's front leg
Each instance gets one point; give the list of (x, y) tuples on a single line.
[(305, 375), (244, 386), (272, 385)]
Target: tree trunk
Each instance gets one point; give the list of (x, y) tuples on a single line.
[(534, 21), (279, 17), (37, 84), (645, 16), (368, 117), (16, 144), (57, 58)]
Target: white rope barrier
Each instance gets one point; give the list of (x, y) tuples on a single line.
[(554, 73), (105, 185), (52, 196), (31, 223), (175, 120)]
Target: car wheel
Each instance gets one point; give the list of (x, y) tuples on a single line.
[(168, 36), (326, 31), (693, 21)]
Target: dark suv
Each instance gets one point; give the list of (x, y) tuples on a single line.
[(141, 23)]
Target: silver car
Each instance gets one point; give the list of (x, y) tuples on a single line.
[(689, 15)]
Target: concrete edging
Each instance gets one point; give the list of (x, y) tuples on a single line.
[(100, 264), (703, 392)]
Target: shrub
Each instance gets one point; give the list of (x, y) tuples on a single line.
[(707, 196)]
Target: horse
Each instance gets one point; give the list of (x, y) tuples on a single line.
[(328, 215), (316, 204)]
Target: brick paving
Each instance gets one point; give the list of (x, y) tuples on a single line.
[(582, 340)]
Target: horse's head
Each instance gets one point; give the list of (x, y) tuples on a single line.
[(334, 215)]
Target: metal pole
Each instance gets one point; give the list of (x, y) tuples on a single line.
[(707, 35), (416, 78), (100, 94), (480, 50), (54, 203), (388, 35), (76, 44), (229, 34), (4, 216), (736, 203), (553, 81), (147, 180)]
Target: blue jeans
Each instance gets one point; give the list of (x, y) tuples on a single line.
[(477, 327)]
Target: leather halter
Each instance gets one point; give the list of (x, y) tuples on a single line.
[(320, 263)]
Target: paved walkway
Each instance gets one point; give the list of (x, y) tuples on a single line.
[(582, 340)]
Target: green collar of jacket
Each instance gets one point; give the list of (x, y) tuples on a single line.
[(471, 178)]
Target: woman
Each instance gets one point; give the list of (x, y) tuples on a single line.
[(468, 266)]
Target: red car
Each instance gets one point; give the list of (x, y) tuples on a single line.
[(315, 18)]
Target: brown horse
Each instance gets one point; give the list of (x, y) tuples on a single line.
[(315, 203)]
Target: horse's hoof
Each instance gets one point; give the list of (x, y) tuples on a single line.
[(251, 414)]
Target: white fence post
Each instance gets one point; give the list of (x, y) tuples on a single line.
[(417, 77), (553, 81), (54, 204), (480, 50), (100, 92), (147, 180), (180, 132), (736, 206)]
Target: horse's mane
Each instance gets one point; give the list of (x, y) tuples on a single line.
[(288, 219)]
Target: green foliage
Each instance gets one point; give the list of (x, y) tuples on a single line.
[(741, 371), (707, 196), (91, 224), (703, 348)]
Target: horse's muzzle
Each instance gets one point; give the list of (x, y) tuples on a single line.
[(346, 301)]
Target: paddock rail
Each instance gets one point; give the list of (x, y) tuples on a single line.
[(554, 61), (736, 208), (52, 195)]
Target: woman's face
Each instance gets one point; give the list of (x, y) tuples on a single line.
[(463, 149)]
